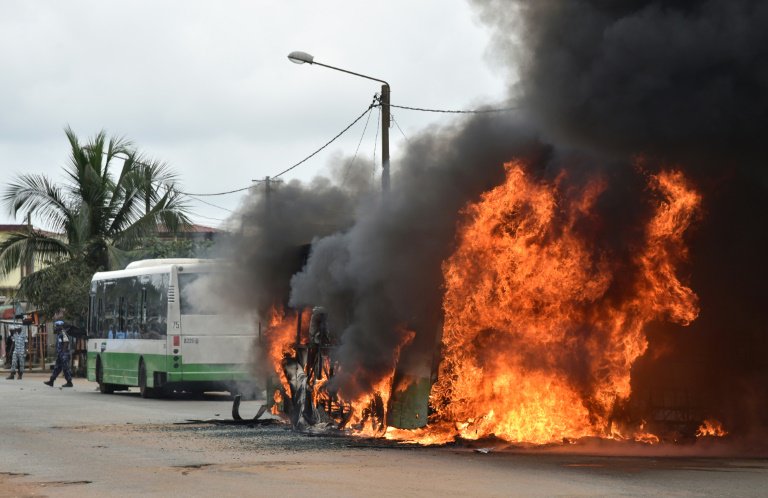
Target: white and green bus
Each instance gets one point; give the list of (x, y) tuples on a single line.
[(153, 325)]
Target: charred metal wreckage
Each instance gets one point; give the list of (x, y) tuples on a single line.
[(312, 400)]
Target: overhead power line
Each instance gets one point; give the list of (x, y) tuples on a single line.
[(329, 142), (371, 106), (198, 215), (376, 141), (471, 111), (375, 103), (209, 203), (354, 158), (216, 193), (401, 130)]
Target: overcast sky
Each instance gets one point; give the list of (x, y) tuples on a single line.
[(207, 87)]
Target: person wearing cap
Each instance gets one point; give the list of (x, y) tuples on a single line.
[(19, 351), (62, 355)]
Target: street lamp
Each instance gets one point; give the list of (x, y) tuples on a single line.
[(303, 57)]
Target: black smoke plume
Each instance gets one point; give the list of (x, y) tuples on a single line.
[(272, 229)]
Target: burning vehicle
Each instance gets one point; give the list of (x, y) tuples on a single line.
[(526, 302), (591, 265)]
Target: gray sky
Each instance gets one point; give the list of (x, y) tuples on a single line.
[(207, 87)]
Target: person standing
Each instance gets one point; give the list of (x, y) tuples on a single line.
[(19, 351), (8, 349), (62, 355)]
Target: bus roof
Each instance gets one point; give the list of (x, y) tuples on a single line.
[(147, 263), (155, 266)]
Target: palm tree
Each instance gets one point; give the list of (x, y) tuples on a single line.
[(113, 198)]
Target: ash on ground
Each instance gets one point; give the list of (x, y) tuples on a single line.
[(279, 437)]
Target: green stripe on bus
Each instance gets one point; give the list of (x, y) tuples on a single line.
[(123, 369)]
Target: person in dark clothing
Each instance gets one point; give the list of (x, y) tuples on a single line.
[(8, 350), (62, 355)]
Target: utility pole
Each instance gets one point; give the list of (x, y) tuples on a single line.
[(267, 201), (267, 194), (268, 184), (303, 57), (385, 139)]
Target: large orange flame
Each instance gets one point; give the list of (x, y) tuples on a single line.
[(279, 339), (280, 336), (362, 420), (712, 428), (536, 347)]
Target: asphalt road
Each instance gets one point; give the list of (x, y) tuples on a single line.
[(78, 442)]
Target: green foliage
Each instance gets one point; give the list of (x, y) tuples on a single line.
[(155, 247), (113, 198), (60, 287)]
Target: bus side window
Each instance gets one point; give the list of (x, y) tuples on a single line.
[(90, 327), (121, 315), (110, 310), (143, 313), (100, 329), (131, 327), (157, 307), (98, 312)]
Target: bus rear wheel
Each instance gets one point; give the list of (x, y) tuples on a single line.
[(146, 392), (104, 388)]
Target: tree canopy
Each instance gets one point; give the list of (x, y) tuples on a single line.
[(112, 199)]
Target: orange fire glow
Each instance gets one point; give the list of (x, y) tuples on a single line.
[(537, 341), (712, 428), (364, 414), (280, 335), (277, 399), (279, 339), (365, 404)]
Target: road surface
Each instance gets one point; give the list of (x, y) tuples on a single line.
[(78, 442)]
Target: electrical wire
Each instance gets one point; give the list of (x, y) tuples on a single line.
[(198, 215), (376, 103), (194, 195), (371, 106), (474, 111), (217, 193), (354, 158), (401, 130), (329, 142), (376, 141), (209, 203)]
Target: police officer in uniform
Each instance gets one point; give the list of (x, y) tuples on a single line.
[(19, 351), (62, 355)]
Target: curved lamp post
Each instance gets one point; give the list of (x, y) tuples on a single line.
[(303, 57)]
